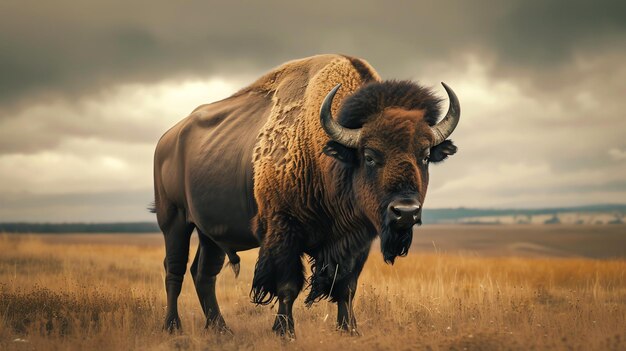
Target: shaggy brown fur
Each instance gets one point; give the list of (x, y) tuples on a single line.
[(261, 157), (373, 98)]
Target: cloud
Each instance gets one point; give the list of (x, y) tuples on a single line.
[(533, 185), (73, 48), (618, 154), (518, 148), (129, 113), (550, 32), (91, 160), (88, 88), (78, 165)]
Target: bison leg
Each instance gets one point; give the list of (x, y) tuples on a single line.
[(344, 295), (177, 232), (284, 324), (279, 273), (346, 321), (204, 270)]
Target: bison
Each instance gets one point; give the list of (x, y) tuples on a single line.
[(271, 167)]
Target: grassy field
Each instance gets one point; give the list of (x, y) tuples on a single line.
[(105, 292)]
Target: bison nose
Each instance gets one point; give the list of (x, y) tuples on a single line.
[(404, 212)]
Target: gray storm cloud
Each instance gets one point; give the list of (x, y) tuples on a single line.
[(74, 47), (87, 88)]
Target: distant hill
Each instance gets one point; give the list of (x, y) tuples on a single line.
[(454, 214), (430, 216)]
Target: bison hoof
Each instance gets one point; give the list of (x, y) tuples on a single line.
[(225, 330), (284, 329), (347, 330), (172, 324), (287, 335), (220, 328)]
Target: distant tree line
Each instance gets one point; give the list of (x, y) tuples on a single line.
[(450, 214), (123, 227)]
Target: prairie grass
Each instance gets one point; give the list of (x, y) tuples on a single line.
[(108, 295)]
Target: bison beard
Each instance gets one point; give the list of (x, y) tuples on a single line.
[(394, 243)]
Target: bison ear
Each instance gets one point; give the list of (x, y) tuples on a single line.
[(340, 152), (440, 152)]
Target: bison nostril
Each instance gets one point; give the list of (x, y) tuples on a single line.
[(406, 210), (395, 211)]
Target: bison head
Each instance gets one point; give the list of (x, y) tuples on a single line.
[(387, 135)]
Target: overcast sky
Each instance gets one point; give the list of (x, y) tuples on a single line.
[(87, 89)]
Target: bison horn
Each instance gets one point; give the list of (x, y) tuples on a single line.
[(344, 136), (443, 129)]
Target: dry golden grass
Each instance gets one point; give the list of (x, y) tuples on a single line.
[(108, 295)]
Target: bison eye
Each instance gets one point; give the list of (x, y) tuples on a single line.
[(425, 159), (371, 158)]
